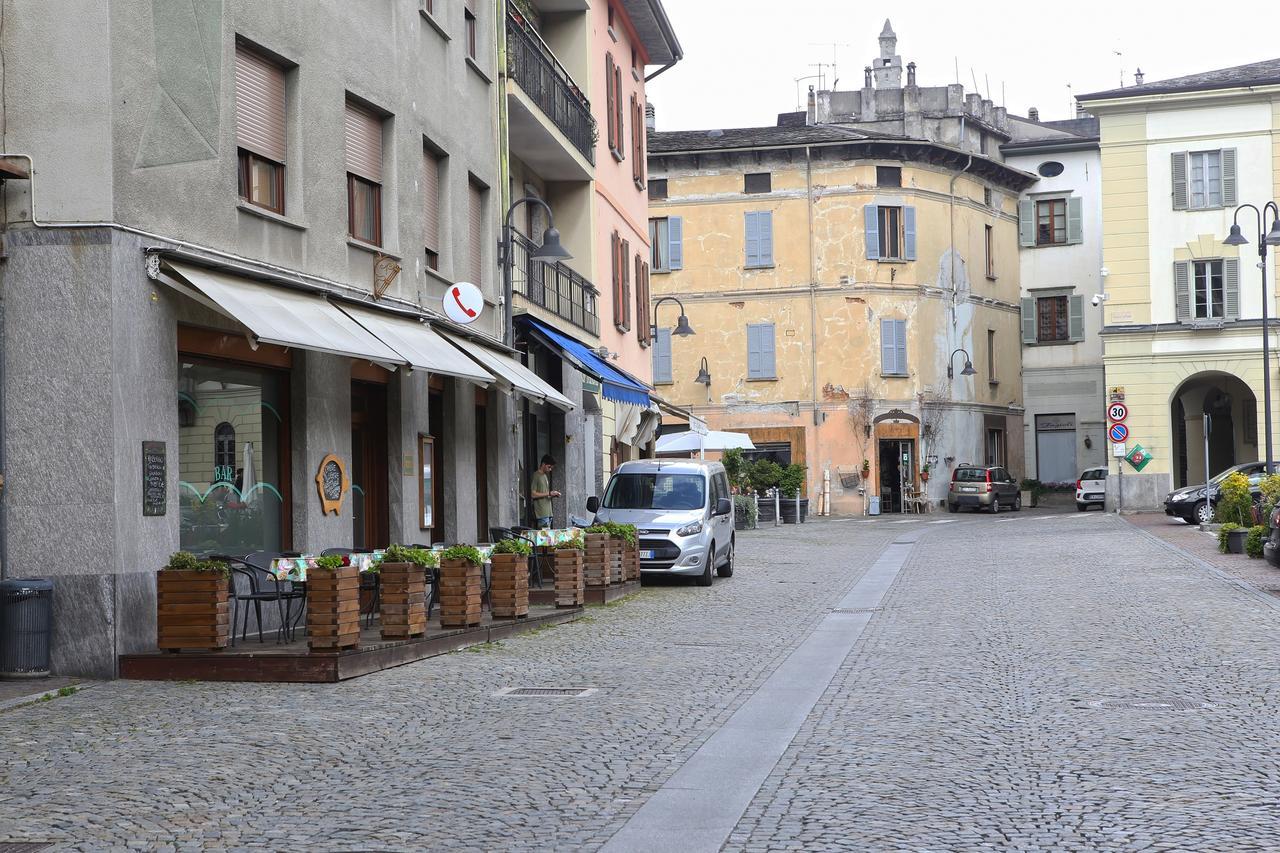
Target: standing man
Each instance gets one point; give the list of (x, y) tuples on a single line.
[(540, 491)]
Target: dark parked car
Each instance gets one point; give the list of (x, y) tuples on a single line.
[(1190, 504)]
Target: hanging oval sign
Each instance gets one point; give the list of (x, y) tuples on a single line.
[(463, 302)]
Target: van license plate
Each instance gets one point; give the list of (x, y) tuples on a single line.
[(646, 555)]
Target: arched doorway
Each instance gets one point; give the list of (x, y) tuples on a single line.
[(1232, 436)]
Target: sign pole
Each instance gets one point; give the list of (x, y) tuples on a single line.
[(1208, 420)]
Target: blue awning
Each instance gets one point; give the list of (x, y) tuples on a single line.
[(615, 384)]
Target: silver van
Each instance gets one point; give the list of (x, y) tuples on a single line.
[(683, 511)]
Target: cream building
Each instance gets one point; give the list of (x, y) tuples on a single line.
[(1183, 334)]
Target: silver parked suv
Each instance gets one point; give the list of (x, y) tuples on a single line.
[(983, 487), (683, 511)]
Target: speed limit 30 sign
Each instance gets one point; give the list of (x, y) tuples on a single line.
[(1117, 411)]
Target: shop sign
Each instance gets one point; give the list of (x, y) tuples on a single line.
[(155, 478), (1055, 423), (332, 483), (463, 302)]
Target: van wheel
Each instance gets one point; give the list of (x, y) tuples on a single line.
[(726, 571), (704, 579)]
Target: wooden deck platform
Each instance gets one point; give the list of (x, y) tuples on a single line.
[(293, 662)]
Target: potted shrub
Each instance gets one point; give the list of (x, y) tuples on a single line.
[(745, 512), (790, 482), (735, 467), (403, 573), (924, 472), (509, 579), (570, 589), (866, 469), (763, 475), (1235, 503), (192, 610), (1254, 540), (597, 553), (1231, 538), (461, 586), (333, 604), (1031, 489)]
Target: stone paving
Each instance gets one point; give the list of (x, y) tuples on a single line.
[(1204, 545), (1053, 682)]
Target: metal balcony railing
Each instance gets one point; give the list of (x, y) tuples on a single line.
[(554, 287), (532, 64)]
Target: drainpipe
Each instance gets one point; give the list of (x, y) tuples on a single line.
[(813, 310), (659, 71), (952, 194)]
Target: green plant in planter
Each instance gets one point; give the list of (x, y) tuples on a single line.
[(735, 466), (513, 546), (185, 561), (618, 530), (1223, 535), (469, 553), (764, 474), (792, 480), (1235, 504), (329, 563), (602, 527), (745, 508), (576, 542), (398, 554), (1253, 542), (1270, 488)]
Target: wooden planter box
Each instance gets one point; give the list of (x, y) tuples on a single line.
[(333, 608), (191, 610), (461, 589), (615, 560), (630, 562), (404, 601), (509, 586), (595, 559), (571, 591)]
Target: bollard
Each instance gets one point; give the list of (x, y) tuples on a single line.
[(777, 508)]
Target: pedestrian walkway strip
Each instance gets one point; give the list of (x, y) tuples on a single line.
[(698, 807)]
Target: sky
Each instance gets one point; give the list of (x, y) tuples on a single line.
[(742, 57)]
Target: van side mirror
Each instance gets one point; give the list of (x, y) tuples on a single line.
[(593, 503), (724, 506)]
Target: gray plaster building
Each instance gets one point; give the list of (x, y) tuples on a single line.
[(230, 231)]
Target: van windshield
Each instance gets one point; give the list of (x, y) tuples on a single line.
[(656, 491)]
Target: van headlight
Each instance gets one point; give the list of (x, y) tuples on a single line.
[(690, 529)]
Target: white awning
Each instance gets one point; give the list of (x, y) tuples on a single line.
[(279, 315), (685, 442), (418, 344), (510, 373)]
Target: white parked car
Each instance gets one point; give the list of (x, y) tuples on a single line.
[(1091, 489)]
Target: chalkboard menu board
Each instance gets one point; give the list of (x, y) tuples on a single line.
[(332, 483), (155, 478)]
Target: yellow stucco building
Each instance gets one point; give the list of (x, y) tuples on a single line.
[(1183, 333)]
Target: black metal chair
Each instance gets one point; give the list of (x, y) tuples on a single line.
[(253, 583)]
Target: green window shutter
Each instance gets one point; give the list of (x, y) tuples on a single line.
[(1182, 290), (1075, 219), (909, 233), (766, 238), (871, 225), (1075, 319), (675, 240), (1179, 164), (753, 238), (1229, 177), (1028, 320), (888, 348), (1231, 288), (1026, 222)]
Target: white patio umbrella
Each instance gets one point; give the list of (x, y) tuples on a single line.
[(249, 480), (687, 442)]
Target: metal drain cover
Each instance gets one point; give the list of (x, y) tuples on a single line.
[(1150, 705), (705, 645), (857, 610), (544, 692), (23, 846)]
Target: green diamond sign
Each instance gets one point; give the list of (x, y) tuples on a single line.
[(1138, 457)]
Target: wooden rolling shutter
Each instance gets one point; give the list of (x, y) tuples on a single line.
[(475, 221), (431, 200), (611, 97), (364, 143), (260, 125)]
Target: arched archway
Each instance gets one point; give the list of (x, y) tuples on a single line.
[(1232, 438)]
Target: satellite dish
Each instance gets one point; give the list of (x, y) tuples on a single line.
[(463, 302)]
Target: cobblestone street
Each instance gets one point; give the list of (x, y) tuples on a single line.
[(1053, 681)]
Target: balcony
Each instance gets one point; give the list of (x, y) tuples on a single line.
[(559, 144), (554, 287)]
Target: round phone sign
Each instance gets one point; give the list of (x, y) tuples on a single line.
[(463, 302)]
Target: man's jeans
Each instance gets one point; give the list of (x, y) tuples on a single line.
[(543, 521)]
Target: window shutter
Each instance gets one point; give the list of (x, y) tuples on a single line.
[(475, 194), (900, 339), (1228, 177), (431, 200), (615, 242), (1075, 219), (1075, 319), (675, 238), (909, 233), (260, 124), (1026, 222), (662, 356), (753, 351), (1029, 332), (1231, 288), (766, 238), (871, 225), (753, 238), (1182, 290), (617, 99), (1179, 163), (364, 143), (888, 348), (624, 255), (611, 97), (643, 331), (768, 365)]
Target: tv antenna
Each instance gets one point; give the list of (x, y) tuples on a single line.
[(834, 45), (799, 106), (821, 75)]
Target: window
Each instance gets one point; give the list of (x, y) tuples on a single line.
[(643, 326), (662, 357), (260, 130), (890, 226), (611, 102), (657, 188), (989, 244), (888, 176), (991, 356), (476, 193), (1204, 179), (1051, 222), (757, 182), (988, 197), (619, 154), (364, 173), (995, 449), (760, 347), (1207, 295), (890, 232), (431, 206), (224, 453), (469, 14), (1050, 169), (893, 347), (666, 242), (1207, 289), (759, 238), (1053, 317), (637, 142)]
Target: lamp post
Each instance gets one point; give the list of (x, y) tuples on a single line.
[(682, 329), (1266, 237), (704, 374), (967, 370), (550, 250)]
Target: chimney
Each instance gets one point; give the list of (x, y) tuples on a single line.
[(650, 117), (911, 73), (1080, 111), (1033, 114), (1137, 77)]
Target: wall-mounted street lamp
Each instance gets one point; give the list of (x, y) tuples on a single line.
[(550, 250), (967, 370), (1265, 238), (682, 329), (704, 375)]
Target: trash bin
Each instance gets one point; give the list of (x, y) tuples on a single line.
[(26, 621), (874, 508)]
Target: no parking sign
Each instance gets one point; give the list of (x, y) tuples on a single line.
[(1119, 433)]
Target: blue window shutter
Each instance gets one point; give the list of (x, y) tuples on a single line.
[(675, 237), (662, 356), (909, 233), (766, 238), (753, 238), (768, 364), (900, 339), (888, 351), (753, 351), (871, 224)]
